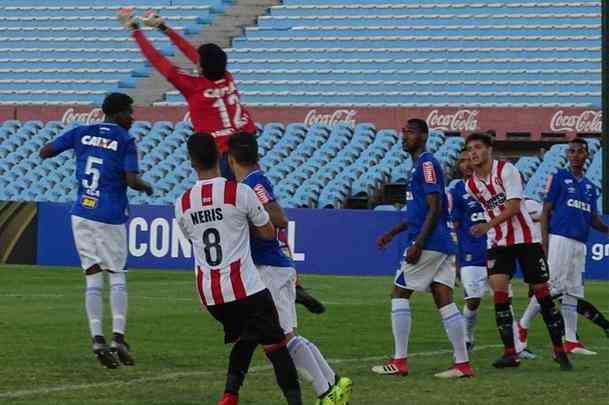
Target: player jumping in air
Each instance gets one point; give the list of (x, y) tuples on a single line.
[(215, 214), (511, 237), (429, 257), (568, 214), (465, 212), (213, 98), (278, 273), (106, 163)]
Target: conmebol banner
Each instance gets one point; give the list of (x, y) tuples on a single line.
[(340, 242)]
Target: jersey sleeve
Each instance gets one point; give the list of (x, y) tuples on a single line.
[(430, 175), (185, 47), (512, 182), (130, 163), (264, 191), (256, 213), (65, 141), (594, 202), (181, 219), (552, 189), (171, 72)]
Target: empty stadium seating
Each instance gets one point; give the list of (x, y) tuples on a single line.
[(75, 52), (315, 166), (413, 53)]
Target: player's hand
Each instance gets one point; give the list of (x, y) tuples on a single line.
[(413, 254), (384, 240), (148, 190), (151, 18), (479, 229), (126, 18)]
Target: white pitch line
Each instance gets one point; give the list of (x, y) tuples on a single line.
[(172, 376)]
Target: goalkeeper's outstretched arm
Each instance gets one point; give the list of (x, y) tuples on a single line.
[(152, 19)]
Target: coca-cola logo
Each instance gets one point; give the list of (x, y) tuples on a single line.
[(587, 121), (94, 116), (331, 119), (462, 120)]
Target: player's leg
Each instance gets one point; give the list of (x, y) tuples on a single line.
[(238, 365), (501, 266), (524, 323), (454, 324), (401, 323), (112, 247), (591, 313), (536, 273), (84, 238), (474, 280)]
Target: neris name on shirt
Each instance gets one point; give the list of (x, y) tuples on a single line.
[(208, 215)]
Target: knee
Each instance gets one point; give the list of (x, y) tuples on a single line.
[(541, 291), (117, 280), (268, 349), (399, 292), (473, 304)]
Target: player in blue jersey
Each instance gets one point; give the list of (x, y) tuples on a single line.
[(106, 164), (466, 212), (278, 273), (569, 211), (428, 259)]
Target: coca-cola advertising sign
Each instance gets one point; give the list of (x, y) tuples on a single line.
[(459, 121), (331, 119), (589, 121), (91, 117)]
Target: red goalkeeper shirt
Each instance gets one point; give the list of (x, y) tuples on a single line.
[(214, 106)]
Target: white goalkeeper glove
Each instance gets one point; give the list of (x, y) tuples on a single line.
[(152, 19), (126, 18)]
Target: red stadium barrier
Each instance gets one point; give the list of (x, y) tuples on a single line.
[(535, 121)]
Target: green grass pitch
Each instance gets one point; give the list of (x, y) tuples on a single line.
[(45, 353)]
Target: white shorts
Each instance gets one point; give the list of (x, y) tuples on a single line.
[(567, 262), (100, 243), (474, 280), (281, 282), (432, 267)]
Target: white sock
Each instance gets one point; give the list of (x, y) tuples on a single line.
[(470, 322), (401, 322), (454, 325), (532, 309), (568, 309), (303, 358), (321, 362), (118, 301), (93, 302), (518, 345)]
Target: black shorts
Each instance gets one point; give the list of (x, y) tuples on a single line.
[(530, 256), (251, 319)]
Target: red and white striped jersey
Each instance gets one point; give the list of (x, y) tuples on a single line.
[(215, 216), (503, 184)]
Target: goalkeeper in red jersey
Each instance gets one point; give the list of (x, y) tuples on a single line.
[(212, 97)]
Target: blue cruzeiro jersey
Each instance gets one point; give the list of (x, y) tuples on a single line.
[(427, 177), (574, 203), (467, 212), (265, 252), (104, 153)]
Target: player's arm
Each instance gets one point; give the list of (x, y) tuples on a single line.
[(598, 224), (135, 181), (152, 19), (162, 64), (388, 236), (257, 215), (59, 145), (132, 172), (544, 223), (277, 214)]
